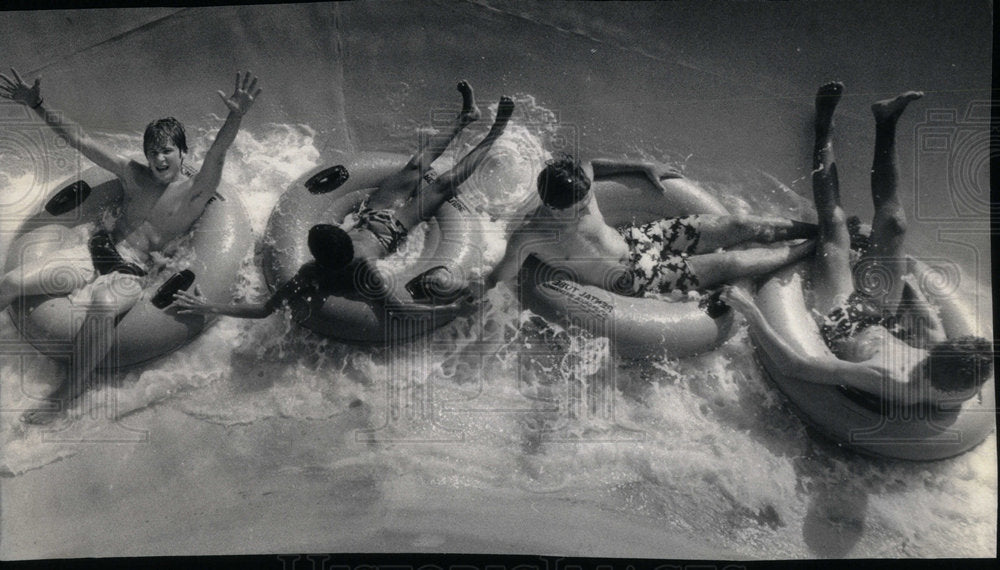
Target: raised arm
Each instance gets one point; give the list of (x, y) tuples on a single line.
[(863, 376), (18, 91), (207, 180)]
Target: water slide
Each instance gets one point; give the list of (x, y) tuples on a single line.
[(240, 444)]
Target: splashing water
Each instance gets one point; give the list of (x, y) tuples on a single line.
[(501, 400)]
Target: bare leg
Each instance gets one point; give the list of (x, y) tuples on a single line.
[(438, 143), (92, 343), (726, 231), (55, 265), (831, 275), (48, 277), (885, 256), (400, 186), (725, 267), (425, 204)]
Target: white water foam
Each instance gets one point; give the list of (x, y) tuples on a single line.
[(497, 400)]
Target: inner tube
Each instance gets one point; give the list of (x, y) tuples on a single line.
[(221, 238), (638, 327), (327, 194), (860, 420)]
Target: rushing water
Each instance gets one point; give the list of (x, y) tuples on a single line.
[(497, 401)]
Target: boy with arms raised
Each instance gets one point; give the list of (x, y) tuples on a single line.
[(107, 269)]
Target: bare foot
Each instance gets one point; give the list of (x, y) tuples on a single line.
[(890, 109), (504, 110), (826, 101), (470, 112)]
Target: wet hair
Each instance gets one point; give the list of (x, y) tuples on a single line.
[(330, 246), (163, 131), (562, 182), (960, 365)]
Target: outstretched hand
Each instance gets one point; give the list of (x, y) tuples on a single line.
[(244, 94), (17, 90), (659, 170), (191, 304)]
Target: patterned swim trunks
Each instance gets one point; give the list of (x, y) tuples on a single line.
[(658, 253), (383, 224), (856, 314)]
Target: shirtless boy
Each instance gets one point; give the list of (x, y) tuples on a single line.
[(160, 204), (871, 349), (343, 259), (568, 232)]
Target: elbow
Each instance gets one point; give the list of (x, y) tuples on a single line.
[(805, 369), (264, 311)]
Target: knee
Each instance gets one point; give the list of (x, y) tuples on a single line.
[(743, 224), (9, 283), (119, 295), (838, 217), (741, 220), (895, 222), (737, 265), (103, 298)]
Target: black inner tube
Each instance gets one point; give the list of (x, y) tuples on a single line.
[(327, 180), (68, 199)]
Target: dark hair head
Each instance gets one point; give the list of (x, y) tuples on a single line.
[(330, 246), (163, 131), (562, 182), (960, 365)]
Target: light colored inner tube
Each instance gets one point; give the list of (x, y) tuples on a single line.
[(221, 239), (454, 240), (637, 327), (864, 421)]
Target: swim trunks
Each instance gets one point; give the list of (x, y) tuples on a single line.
[(856, 314), (108, 262), (658, 254), (383, 224), (107, 258)]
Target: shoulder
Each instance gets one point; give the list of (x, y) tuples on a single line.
[(136, 173), (302, 281), (309, 270)]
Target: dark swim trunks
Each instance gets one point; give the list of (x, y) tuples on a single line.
[(856, 314), (658, 253), (107, 259), (389, 231)]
